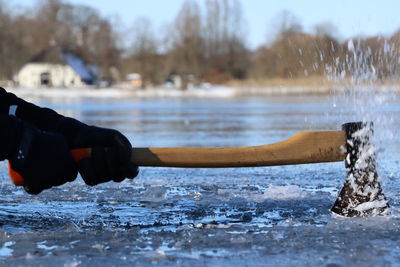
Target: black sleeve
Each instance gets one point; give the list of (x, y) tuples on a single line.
[(43, 118), (10, 134)]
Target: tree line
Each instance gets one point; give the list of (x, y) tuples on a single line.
[(200, 45)]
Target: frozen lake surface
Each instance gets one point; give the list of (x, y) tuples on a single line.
[(217, 217)]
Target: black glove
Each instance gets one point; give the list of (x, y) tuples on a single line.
[(43, 159), (111, 151)]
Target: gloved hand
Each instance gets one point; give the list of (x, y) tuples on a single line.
[(110, 158), (42, 158)]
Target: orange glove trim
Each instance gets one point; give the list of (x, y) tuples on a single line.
[(80, 153), (16, 178)]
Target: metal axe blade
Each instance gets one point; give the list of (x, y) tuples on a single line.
[(361, 194)]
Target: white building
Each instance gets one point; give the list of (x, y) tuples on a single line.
[(54, 67), (48, 75)]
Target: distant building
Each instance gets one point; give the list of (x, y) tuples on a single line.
[(174, 81), (55, 67), (134, 79)]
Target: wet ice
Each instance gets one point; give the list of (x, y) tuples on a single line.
[(278, 215)]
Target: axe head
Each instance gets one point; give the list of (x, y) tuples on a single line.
[(361, 195)]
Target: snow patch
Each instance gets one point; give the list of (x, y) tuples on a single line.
[(371, 205), (5, 251), (284, 192), (42, 245)]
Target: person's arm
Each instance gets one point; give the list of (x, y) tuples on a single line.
[(43, 118), (42, 159), (111, 151)]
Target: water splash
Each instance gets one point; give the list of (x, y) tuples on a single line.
[(361, 88), (363, 83)]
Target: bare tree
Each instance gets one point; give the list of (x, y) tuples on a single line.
[(187, 43), (85, 31), (12, 53), (226, 50), (208, 43), (142, 55), (326, 29), (295, 53), (288, 23)]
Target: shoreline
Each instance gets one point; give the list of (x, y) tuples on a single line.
[(203, 92)]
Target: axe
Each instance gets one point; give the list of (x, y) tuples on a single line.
[(361, 195)]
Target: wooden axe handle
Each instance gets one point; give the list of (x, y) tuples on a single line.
[(302, 148)]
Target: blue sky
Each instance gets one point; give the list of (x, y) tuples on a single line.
[(351, 17)]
